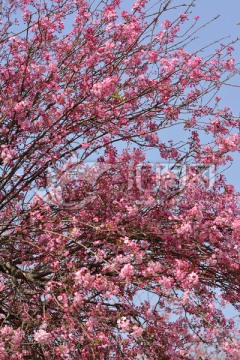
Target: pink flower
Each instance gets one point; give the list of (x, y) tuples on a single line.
[(7, 154), (153, 56), (105, 87), (127, 271), (195, 62), (185, 228), (183, 17), (137, 331), (85, 145), (166, 282), (2, 286), (123, 323), (236, 225), (138, 5), (193, 278), (6, 331), (167, 24), (110, 13), (41, 336), (84, 278), (230, 64)]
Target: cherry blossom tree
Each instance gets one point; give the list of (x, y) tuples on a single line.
[(80, 242)]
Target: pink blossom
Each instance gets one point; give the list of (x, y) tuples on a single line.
[(105, 87), (137, 331), (2, 286), (123, 323), (85, 145), (167, 24), (41, 336), (166, 282), (230, 64), (127, 271), (183, 16), (8, 154), (6, 330), (193, 278), (139, 4)]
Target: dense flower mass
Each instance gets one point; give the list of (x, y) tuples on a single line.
[(115, 258)]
